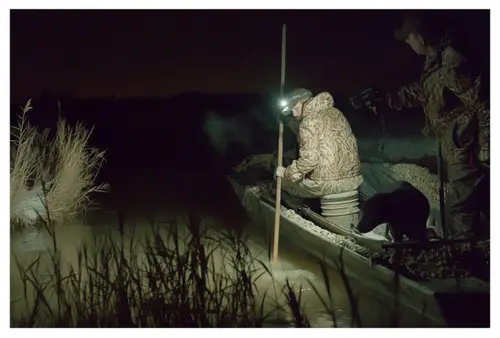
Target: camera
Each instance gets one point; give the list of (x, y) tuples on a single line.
[(362, 99)]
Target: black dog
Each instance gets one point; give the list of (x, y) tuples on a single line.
[(405, 209)]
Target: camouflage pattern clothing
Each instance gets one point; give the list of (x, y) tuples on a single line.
[(458, 116), (328, 161)]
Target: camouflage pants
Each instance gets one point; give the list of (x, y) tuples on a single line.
[(483, 142), (310, 189), (464, 148)]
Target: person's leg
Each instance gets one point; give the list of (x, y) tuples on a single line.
[(483, 145), (463, 200), (465, 177)]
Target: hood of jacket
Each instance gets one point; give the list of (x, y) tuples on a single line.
[(317, 103)]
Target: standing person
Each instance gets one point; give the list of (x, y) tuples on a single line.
[(457, 113)]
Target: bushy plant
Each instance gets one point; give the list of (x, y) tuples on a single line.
[(55, 173)]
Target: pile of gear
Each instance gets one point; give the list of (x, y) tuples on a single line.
[(457, 260)]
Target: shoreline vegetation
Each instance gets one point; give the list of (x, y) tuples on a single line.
[(55, 174)]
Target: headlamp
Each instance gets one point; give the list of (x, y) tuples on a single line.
[(283, 104)]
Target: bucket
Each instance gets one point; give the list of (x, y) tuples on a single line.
[(341, 209)]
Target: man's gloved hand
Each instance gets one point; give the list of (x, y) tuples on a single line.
[(279, 172), (393, 101), (372, 107), (378, 103)]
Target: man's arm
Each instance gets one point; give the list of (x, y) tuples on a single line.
[(308, 151), (405, 97)]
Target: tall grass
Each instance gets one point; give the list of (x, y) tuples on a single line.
[(166, 279), (177, 275), (60, 170)]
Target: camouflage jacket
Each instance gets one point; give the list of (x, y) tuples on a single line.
[(451, 98), (328, 150)]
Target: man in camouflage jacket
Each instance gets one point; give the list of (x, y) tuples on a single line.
[(328, 161), (457, 115)]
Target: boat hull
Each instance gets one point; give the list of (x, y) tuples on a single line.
[(425, 298)]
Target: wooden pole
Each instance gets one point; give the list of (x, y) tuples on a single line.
[(280, 153)]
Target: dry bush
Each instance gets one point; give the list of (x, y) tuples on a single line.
[(61, 171)]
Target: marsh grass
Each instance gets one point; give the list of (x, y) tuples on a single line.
[(66, 165), (167, 279), (177, 275)]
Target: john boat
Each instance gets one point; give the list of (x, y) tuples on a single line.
[(441, 280)]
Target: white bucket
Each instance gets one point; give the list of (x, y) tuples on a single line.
[(341, 209)]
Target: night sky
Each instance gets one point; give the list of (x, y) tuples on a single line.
[(162, 52)]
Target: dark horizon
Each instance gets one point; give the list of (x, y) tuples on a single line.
[(148, 53)]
